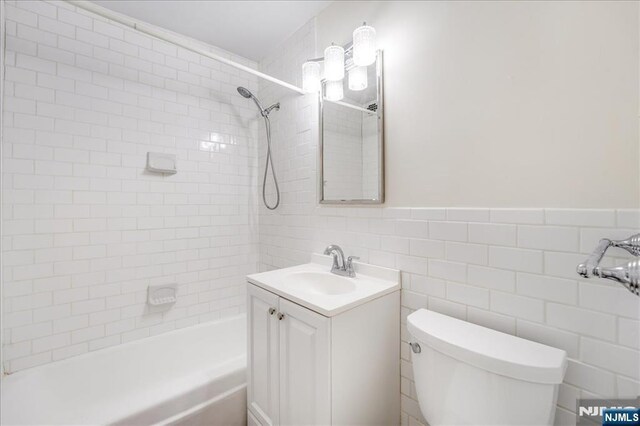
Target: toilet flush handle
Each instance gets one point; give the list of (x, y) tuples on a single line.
[(415, 347)]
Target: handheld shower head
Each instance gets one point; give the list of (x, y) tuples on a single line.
[(245, 93)]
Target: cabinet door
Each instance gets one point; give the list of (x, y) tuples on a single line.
[(262, 355), (305, 385)]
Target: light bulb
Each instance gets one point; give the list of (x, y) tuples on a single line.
[(311, 76), (358, 78), (364, 45), (334, 90), (334, 63)]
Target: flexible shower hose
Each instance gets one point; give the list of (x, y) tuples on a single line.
[(268, 162)]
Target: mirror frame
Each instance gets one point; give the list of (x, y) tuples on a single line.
[(380, 115)]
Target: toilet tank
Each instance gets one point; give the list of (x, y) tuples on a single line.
[(466, 374)]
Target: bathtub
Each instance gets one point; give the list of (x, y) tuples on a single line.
[(192, 376)]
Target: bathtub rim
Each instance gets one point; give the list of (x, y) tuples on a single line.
[(231, 371), (137, 342)]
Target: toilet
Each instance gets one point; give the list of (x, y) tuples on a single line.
[(466, 374)]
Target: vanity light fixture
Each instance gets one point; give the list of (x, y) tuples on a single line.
[(364, 45), (311, 76), (358, 78), (334, 63), (334, 90), (360, 53)]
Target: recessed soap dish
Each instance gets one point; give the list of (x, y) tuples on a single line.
[(162, 294), (158, 162)]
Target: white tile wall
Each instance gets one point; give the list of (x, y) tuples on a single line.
[(86, 228), (509, 269)]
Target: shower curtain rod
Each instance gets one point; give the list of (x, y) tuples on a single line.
[(179, 41)]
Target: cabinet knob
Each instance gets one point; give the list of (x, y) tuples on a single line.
[(272, 311), (280, 316)]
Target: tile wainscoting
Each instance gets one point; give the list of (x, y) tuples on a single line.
[(512, 270)]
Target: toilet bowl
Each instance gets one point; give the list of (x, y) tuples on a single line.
[(466, 374)]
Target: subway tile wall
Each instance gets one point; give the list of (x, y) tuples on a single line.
[(86, 228), (512, 270)]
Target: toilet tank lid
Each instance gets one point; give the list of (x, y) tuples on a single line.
[(488, 349)]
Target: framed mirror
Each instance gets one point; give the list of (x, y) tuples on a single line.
[(351, 169)]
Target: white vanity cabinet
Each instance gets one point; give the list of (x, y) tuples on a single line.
[(306, 368), (288, 362)]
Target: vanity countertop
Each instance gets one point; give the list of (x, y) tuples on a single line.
[(313, 286)]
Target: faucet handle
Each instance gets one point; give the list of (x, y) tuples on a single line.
[(349, 266)]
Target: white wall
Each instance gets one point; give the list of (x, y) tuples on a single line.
[(511, 104), (86, 228), (511, 269)]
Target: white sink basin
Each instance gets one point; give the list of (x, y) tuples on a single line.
[(313, 285), (319, 283)]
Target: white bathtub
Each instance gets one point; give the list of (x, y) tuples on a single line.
[(193, 376)]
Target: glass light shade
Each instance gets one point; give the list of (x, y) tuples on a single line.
[(358, 78), (334, 63), (364, 45), (333, 90), (311, 76)]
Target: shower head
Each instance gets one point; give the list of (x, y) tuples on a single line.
[(245, 93)]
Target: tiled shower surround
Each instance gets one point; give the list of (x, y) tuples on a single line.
[(512, 270), (86, 229)]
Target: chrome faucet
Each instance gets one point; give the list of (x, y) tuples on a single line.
[(628, 275), (340, 266)]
